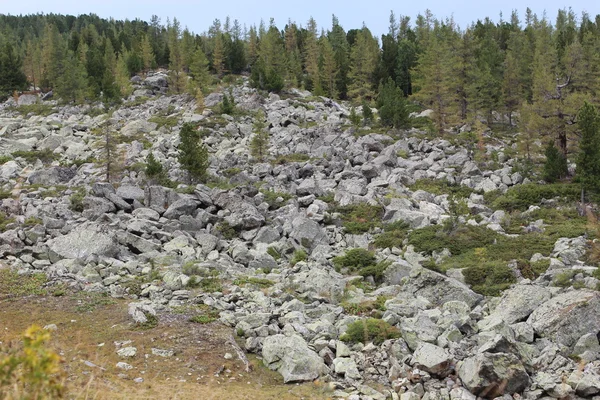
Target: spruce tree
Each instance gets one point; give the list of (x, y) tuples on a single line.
[(392, 105), (260, 141), (588, 160), (555, 166), (193, 153), (11, 76)]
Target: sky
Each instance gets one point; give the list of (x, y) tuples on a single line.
[(199, 15)]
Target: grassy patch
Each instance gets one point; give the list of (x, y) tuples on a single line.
[(365, 307), (370, 330), (37, 109), (298, 256), (489, 278), (89, 302), (259, 282), (46, 156), (440, 186), (5, 221), (205, 315), (520, 197), (361, 261), (459, 240), (290, 158), (167, 121), (14, 284)]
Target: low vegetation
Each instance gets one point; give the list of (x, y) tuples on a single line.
[(370, 330)]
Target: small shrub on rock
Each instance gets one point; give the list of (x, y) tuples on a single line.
[(370, 330)]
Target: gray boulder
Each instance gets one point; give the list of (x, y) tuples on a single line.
[(83, 241), (291, 357), (307, 232), (183, 206), (432, 359), (516, 305), (438, 288), (567, 316), (492, 375), (52, 176), (160, 198)]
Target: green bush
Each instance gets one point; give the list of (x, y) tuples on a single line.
[(32, 371), (555, 166), (298, 256), (370, 330), (271, 197), (77, 200), (460, 240), (441, 186), (290, 158), (489, 278), (361, 217), (520, 197), (45, 156), (226, 230), (393, 235), (354, 259)]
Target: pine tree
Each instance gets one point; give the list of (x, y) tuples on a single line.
[(11, 75), (122, 76), (218, 55), (588, 160), (260, 141), (339, 43), (555, 166), (148, 58), (392, 105), (193, 153), (434, 80), (311, 58), (199, 69), (363, 60), (72, 83), (328, 68)]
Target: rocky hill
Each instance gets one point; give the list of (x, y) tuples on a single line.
[(389, 264)]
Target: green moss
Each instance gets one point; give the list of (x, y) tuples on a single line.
[(5, 221), (226, 230), (370, 330)]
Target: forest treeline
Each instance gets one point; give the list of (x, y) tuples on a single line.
[(544, 70)]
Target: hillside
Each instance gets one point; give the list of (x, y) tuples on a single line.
[(384, 263)]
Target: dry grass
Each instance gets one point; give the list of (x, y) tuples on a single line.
[(198, 370)]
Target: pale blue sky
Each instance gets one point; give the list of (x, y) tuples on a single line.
[(198, 15)]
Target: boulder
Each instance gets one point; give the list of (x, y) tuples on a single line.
[(291, 357), (183, 206), (567, 317), (516, 305), (307, 232), (52, 176), (432, 359), (438, 288), (83, 241), (492, 375)]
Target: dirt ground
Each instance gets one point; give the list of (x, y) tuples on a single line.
[(88, 325)]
